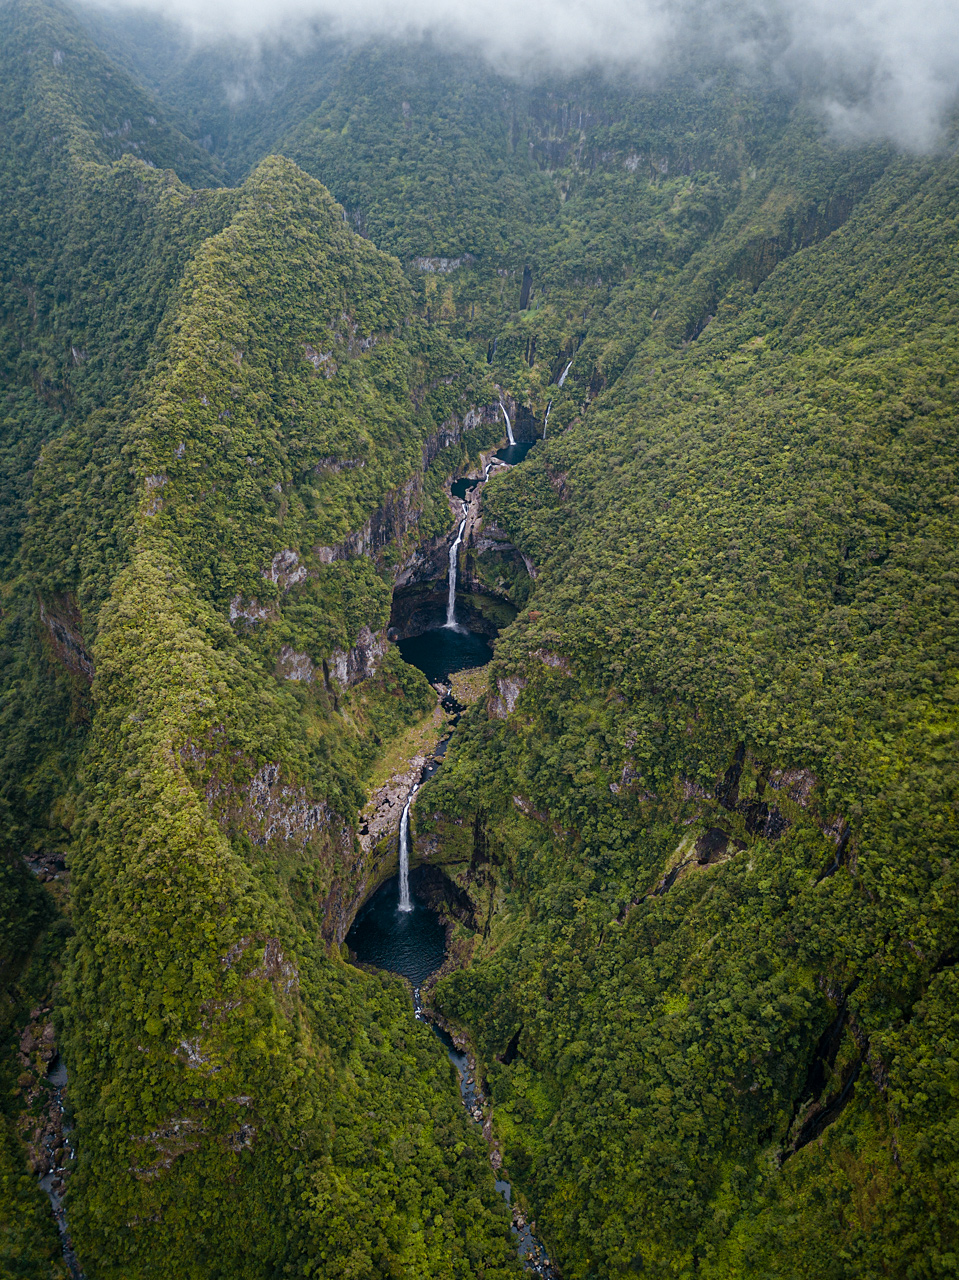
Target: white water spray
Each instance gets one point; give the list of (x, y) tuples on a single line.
[(546, 419), (562, 376), (509, 425), (405, 903), (454, 549), (454, 557)]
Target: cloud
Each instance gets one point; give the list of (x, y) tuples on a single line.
[(878, 68)]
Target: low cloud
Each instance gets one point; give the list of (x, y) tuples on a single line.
[(878, 68)]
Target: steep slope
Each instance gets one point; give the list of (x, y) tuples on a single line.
[(715, 770), (236, 97), (248, 384), (547, 222), (706, 812), (238, 1071)]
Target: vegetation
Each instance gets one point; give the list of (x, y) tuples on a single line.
[(708, 797), (748, 576)]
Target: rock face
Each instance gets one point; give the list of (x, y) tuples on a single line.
[(489, 565), (350, 666), (381, 817), (492, 561), (388, 524), (285, 570), (272, 808), (63, 622), (503, 703), (397, 516), (269, 806), (294, 666), (422, 608)]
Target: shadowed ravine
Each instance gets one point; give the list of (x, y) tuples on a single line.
[(395, 929)]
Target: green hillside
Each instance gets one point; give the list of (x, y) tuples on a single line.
[(739, 666), (702, 821)]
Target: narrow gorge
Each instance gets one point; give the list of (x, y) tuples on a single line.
[(397, 928), (479, 617)]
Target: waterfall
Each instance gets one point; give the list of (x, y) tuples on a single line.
[(562, 376), (405, 903), (451, 598), (509, 425), (546, 419)]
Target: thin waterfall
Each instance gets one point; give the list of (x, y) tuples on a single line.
[(454, 549), (562, 376), (546, 419), (451, 598), (509, 425), (405, 903)]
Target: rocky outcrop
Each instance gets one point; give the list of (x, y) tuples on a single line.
[(285, 570), (399, 512), (555, 660), (348, 666), (381, 817), (378, 845), (443, 266), (291, 665), (503, 703), (62, 619), (250, 611), (272, 808), (388, 524)]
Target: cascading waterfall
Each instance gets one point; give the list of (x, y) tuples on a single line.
[(509, 425), (405, 903), (454, 549), (546, 419), (562, 376)]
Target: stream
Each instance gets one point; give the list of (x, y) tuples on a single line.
[(413, 944), (395, 929)]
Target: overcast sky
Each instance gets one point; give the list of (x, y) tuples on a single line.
[(881, 68)]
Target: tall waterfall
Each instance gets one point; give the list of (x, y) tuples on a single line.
[(454, 549), (562, 376), (509, 425), (546, 419), (405, 903)]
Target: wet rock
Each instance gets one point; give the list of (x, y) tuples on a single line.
[(62, 619)]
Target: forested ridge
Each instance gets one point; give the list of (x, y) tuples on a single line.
[(705, 811)]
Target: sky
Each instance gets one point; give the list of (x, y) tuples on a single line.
[(876, 68)]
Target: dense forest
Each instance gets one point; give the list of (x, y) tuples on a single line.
[(258, 308)]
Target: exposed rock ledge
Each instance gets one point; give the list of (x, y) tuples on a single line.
[(381, 816)]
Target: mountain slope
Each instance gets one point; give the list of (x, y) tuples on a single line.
[(706, 809), (716, 765), (243, 1099)]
